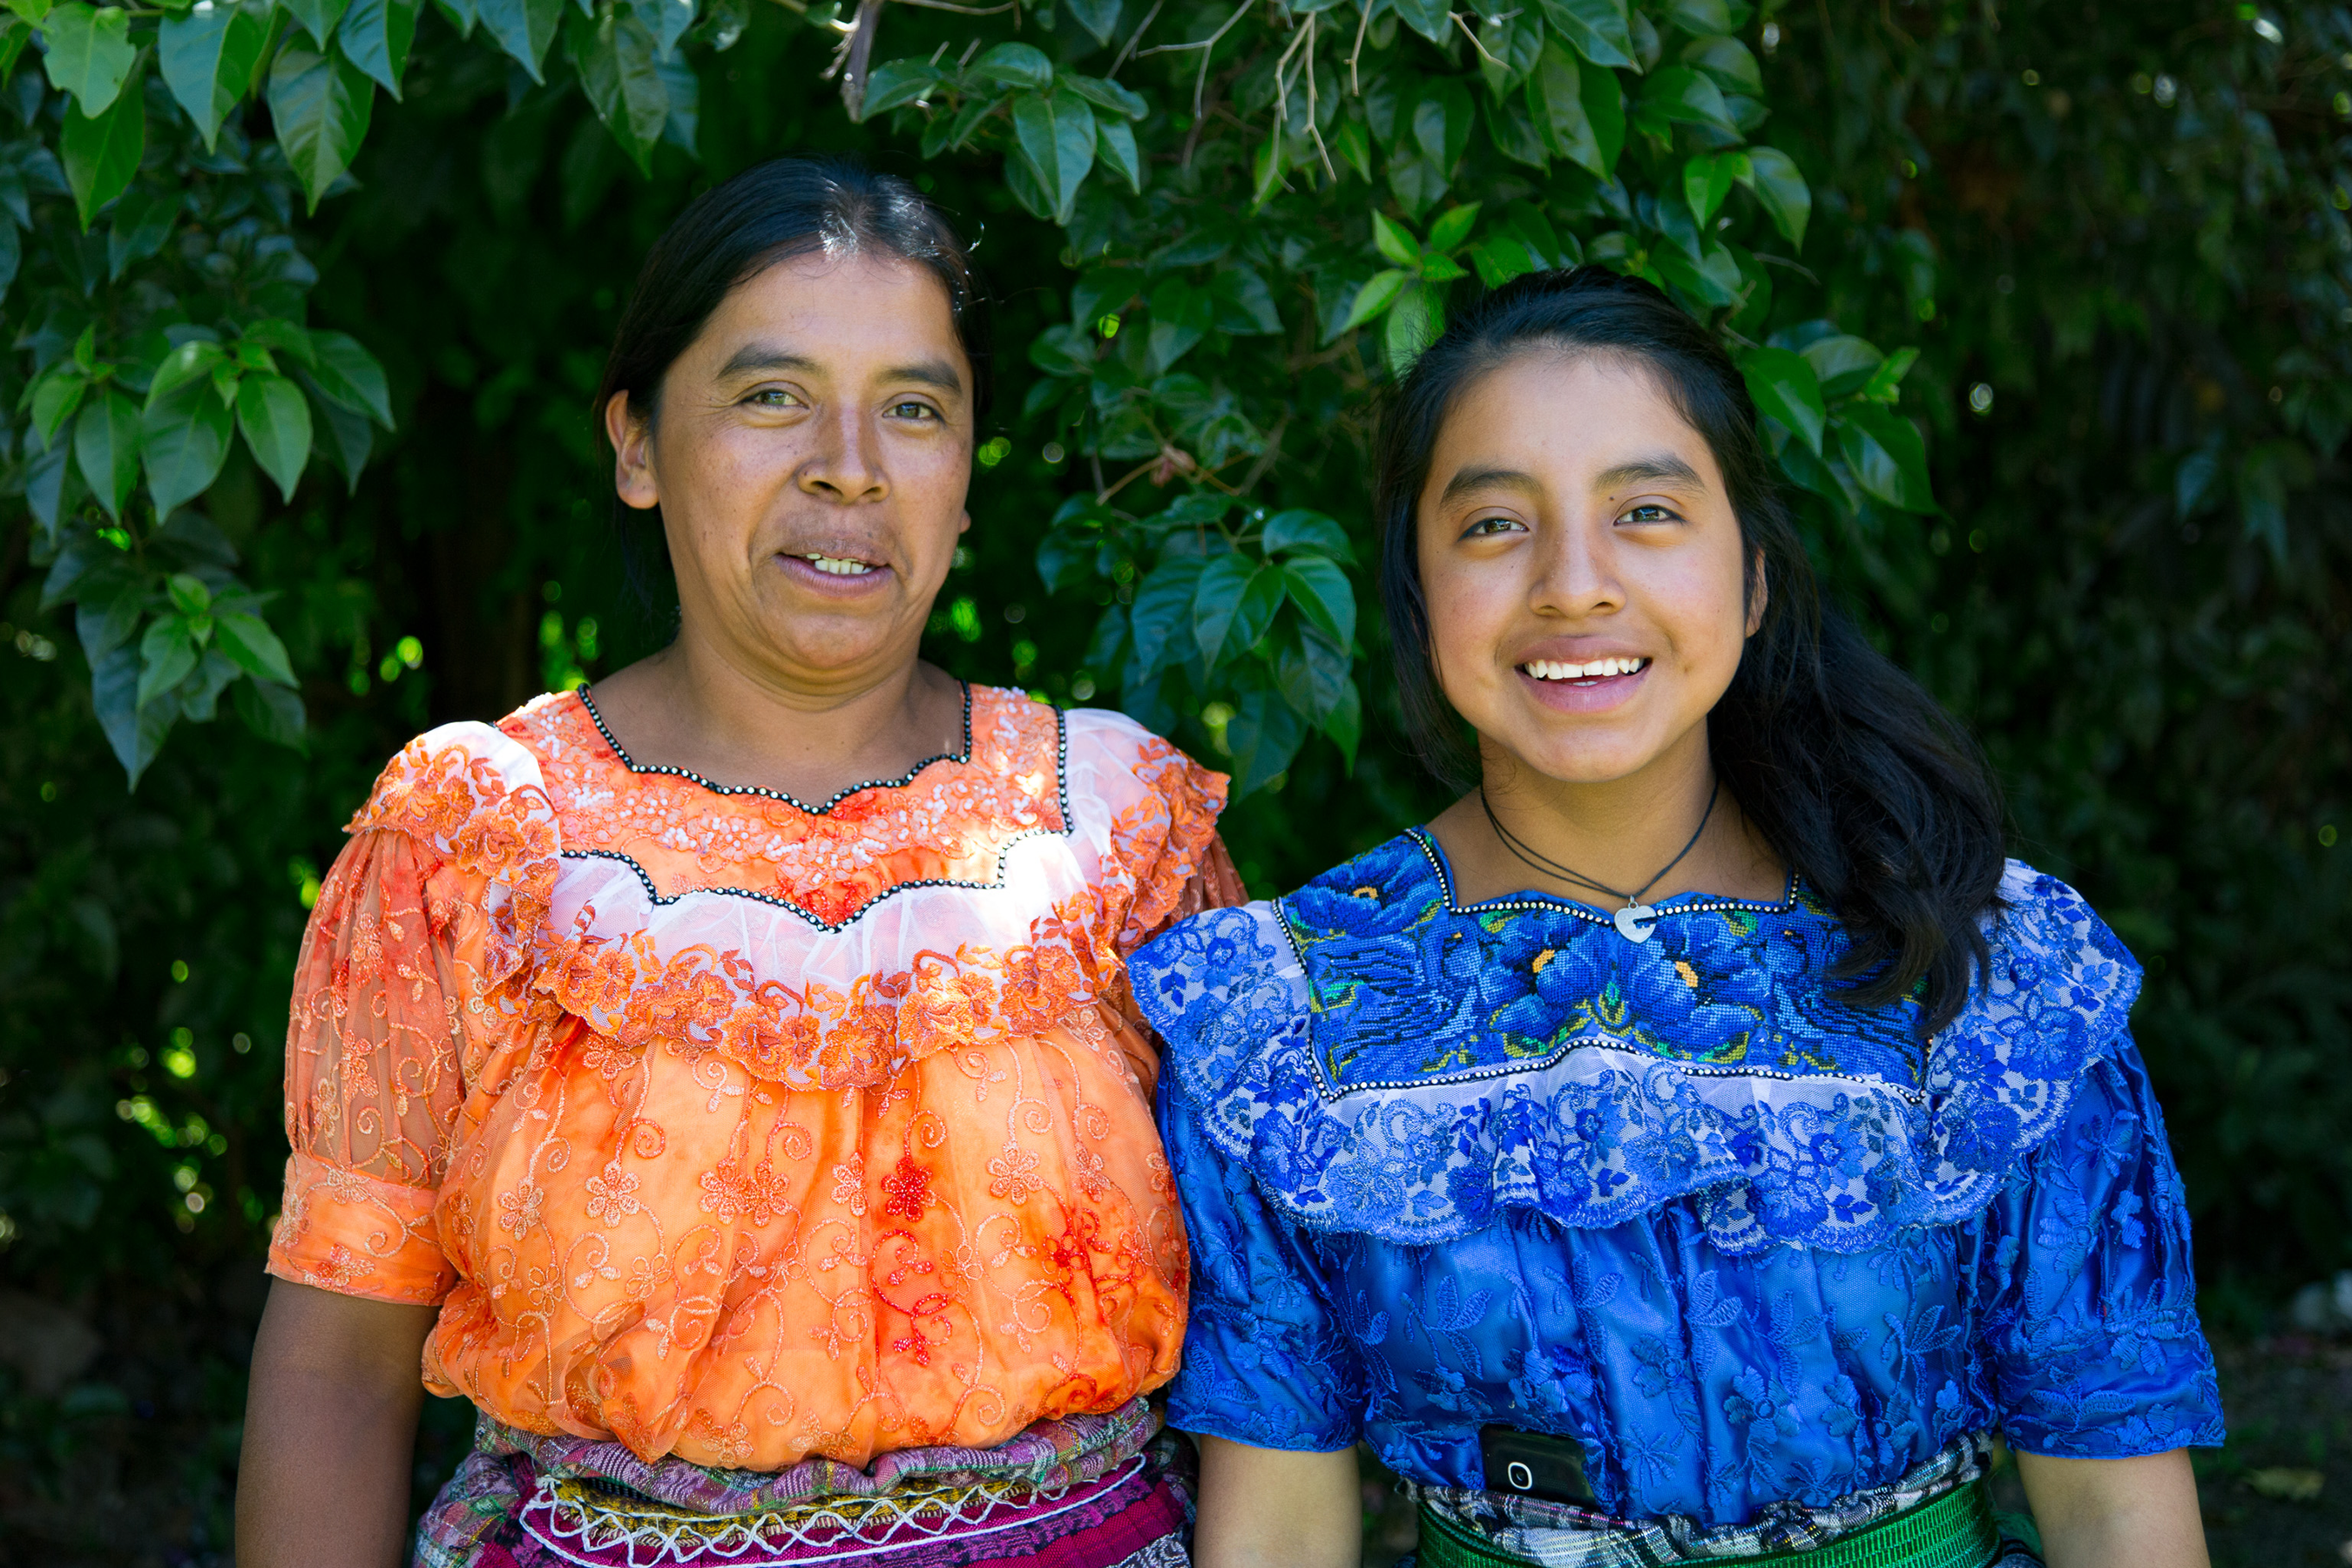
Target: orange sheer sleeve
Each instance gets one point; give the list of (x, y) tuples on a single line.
[(1213, 885), (374, 1073)]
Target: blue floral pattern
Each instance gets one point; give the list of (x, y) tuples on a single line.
[(1746, 1243)]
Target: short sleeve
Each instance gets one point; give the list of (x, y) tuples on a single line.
[(374, 1077), (1266, 1362), (2087, 1300)]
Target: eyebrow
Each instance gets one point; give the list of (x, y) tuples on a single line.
[(1663, 467), (758, 358), (1466, 481)]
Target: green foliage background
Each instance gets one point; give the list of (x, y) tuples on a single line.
[(2101, 508)]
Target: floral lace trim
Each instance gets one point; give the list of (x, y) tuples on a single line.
[(776, 987), (1613, 1125)]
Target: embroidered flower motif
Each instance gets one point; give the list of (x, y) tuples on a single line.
[(1011, 1175), (613, 1196), (909, 1186)]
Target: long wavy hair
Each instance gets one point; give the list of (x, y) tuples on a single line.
[(1870, 791)]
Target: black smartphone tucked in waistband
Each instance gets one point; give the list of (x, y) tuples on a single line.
[(1533, 1465)]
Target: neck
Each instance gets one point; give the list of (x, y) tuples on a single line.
[(1622, 833), (739, 721)]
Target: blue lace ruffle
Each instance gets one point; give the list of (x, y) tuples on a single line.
[(1390, 1063)]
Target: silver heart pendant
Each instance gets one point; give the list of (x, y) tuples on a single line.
[(1636, 921)]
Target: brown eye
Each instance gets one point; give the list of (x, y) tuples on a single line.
[(912, 410), (1488, 526), (773, 397), (1650, 511)]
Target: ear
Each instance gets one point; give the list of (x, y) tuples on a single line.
[(1760, 594), (633, 455), (964, 525)]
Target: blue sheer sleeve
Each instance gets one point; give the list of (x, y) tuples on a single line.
[(2088, 1305), (1266, 1362)]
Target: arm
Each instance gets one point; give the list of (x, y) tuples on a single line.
[(2115, 1513), (1264, 1508), (329, 1430)]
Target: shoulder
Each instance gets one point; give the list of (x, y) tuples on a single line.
[(477, 793)]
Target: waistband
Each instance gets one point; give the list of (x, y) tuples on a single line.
[(1954, 1529)]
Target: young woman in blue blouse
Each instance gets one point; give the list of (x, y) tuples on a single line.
[(1697, 1144)]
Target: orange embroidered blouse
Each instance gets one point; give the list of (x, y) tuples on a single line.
[(743, 1129)]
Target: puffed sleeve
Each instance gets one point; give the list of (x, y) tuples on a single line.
[(2089, 1303), (1267, 1362), (374, 1082)]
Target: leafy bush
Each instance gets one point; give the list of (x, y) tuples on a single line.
[(2048, 310)]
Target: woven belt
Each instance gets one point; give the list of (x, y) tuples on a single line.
[(1954, 1531)]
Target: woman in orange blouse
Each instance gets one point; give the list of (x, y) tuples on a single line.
[(725, 1078)]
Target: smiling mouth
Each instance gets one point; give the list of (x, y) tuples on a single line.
[(839, 565), (1598, 669)]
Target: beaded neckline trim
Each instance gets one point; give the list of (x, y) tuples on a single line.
[(1436, 859), (692, 777), (1061, 800)]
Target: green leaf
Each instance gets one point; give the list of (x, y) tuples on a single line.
[(1427, 17), (1267, 168), (1885, 383), (1600, 30), (1577, 111), (101, 155), (1322, 594), (897, 83), (1500, 258), (1708, 179), (188, 596), (1780, 190), (280, 336), (617, 58), (1413, 323), (1057, 135), (276, 420), (183, 440), (1679, 94), (1310, 670), (321, 105), (1701, 16), (272, 712), (106, 448), (1245, 305), (29, 12), (143, 221), (90, 54), (317, 17), (1728, 62), (1264, 735), (1115, 141), (208, 58), (1181, 317), (1013, 65), (1394, 242), (1108, 95), (1452, 227), (376, 36), (1441, 119), (167, 654), (1163, 606), (1298, 531), (1785, 387), (1217, 599), (54, 396), (1380, 291), (523, 28), (135, 732), (349, 375), (1887, 457), (1842, 362), (1100, 17), (248, 640)]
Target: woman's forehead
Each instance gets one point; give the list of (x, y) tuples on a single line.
[(838, 307), (1547, 407)]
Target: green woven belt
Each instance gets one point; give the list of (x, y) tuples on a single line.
[(1954, 1531)]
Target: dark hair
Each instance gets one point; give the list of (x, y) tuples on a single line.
[(1869, 789), (740, 228)]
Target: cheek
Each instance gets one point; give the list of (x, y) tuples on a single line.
[(1709, 616)]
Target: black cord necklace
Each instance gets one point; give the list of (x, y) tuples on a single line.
[(1636, 919)]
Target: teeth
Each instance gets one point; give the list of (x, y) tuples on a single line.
[(1560, 669), (835, 566)]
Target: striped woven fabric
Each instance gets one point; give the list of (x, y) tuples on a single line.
[(1079, 1493)]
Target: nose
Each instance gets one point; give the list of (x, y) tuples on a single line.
[(1577, 573), (846, 464)]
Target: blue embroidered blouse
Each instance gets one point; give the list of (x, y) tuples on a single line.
[(1449, 1166)]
